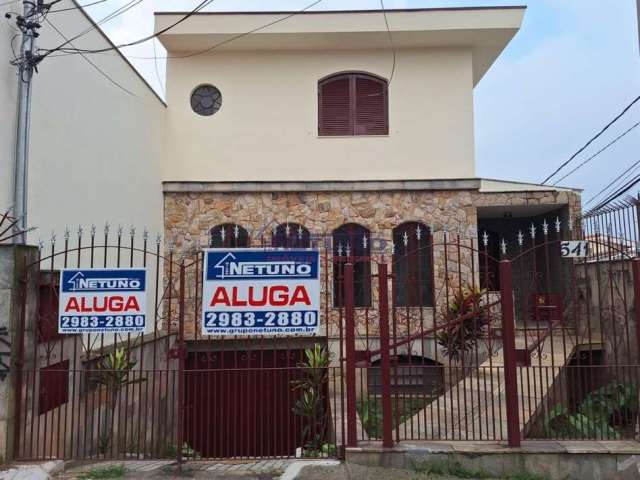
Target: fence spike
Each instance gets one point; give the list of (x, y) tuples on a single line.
[(532, 231), (67, 233), (418, 232), (570, 225), (520, 238), (53, 237), (107, 227), (365, 241), (393, 248), (503, 246), (145, 234), (80, 230), (405, 238), (545, 227), (558, 224), (158, 239), (120, 230), (132, 231), (485, 238)]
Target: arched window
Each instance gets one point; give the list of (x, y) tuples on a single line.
[(353, 104), (352, 243), (291, 235), (228, 235), (412, 269)]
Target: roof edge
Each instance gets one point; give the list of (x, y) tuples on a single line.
[(312, 12)]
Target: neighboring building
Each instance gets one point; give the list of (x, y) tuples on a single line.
[(95, 149)]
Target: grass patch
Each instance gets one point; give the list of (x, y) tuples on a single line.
[(458, 471), (454, 470), (113, 471), (403, 408), (527, 476)]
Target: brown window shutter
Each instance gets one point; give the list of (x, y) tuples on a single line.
[(370, 106), (334, 107)]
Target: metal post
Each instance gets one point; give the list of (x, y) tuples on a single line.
[(26, 66), (509, 350), (385, 362), (636, 300), (350, 340), (181, 355)]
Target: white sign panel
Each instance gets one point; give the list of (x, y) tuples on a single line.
[(261, 292), (97, 300), (574, 249)]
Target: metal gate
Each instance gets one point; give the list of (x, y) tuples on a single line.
[(436, 336)]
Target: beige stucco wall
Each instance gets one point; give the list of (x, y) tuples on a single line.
[(95, 150), (8, 86), (267, 126)]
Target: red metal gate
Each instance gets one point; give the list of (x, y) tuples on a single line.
[(434, 336)]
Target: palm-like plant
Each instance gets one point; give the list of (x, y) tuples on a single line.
[(113, 374), (311, 402), (464, 323)]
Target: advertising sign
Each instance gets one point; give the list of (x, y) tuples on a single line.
[(260, 292), (96, 300)]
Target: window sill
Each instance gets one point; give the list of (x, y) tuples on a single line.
[(353, 136)]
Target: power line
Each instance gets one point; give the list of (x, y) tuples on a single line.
[(632, 167), (393, 48), (199, 7), (116, 13), (200, 52), (77, 7), (102, 72), (597, 153), (621, 191), (604, 129), (162, 88)]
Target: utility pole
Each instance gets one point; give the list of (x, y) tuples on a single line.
[(27, 65)]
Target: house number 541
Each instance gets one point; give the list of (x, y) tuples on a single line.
[(574, 249)]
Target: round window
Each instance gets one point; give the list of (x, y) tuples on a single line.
[(206, 100)]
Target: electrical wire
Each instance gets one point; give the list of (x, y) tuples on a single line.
[(598, 152), (162, 88), (77, 7), (633, 167), (199, 7), (200, 52), (116, 13), (621, 191), (604, 129), (102, 72), (393, 48)]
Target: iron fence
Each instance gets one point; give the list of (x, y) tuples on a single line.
[(437, 336)]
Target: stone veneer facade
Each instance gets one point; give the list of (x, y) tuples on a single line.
[(191, 211)]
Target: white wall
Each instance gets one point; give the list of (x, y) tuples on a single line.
[(95, 150), (8, 88), (267, 126)]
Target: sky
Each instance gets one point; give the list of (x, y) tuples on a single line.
[(574, 65)]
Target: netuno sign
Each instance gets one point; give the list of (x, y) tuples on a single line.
[(102, 300), (260, 292)]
